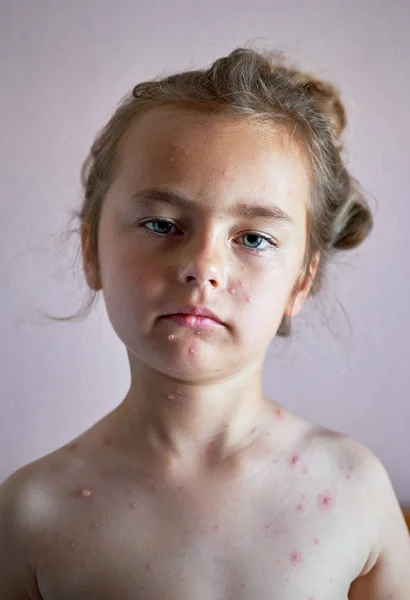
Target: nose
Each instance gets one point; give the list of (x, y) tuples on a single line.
[(203, 263)]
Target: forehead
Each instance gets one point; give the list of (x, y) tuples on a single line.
[(213, 156)]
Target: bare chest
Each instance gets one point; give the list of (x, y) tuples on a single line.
[(111, 537)]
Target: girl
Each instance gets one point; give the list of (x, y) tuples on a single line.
[(214, 200)]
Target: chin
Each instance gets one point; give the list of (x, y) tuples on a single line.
[(203, 364)]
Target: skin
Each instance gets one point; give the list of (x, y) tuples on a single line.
[(197, 485)]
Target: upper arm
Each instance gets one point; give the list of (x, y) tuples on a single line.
[(389, 579), (16, 575)]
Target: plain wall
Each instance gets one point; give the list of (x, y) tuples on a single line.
[(63, 68)]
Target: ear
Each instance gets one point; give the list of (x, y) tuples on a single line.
[(90, 264), (297, 300)]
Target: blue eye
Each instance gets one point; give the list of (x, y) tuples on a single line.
[(270, 242), (162, 221), (257, 237), (165, 224)]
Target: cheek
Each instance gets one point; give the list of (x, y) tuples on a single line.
[(261, 297), (127, 285)]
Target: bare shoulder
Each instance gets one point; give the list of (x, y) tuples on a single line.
[(374, 495), (357, 463), (23, 493), (386, 573), (26, 517), (17, 537)]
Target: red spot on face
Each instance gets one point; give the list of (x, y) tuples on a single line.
[(215, 527), (107, 441), (129, 490), (300, 507), (295, 558), (148, 566), (348, 476), (317, 542), (243, 586), (72, 447), (325, 500)]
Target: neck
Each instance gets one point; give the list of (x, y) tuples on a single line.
[(179, 425)]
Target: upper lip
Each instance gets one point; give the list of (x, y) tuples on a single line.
[(199, 311)]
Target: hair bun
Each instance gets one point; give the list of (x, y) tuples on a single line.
[(353, 223)]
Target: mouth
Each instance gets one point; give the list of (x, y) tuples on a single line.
[(195, 316), (194, 321)]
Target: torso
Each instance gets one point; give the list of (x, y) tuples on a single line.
[(294, 530)]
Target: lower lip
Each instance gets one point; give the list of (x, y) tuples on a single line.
[(194, 321)]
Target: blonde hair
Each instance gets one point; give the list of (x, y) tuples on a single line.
[(252, 85)]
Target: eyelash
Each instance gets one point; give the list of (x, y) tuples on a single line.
[(273, 245)]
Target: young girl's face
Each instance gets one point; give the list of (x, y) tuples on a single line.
[(156, 256)]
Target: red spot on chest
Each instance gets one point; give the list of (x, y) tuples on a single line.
[(278, 412), (295, 459), (326, 500), (295, 558)]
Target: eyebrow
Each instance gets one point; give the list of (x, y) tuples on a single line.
[(148, 197)]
